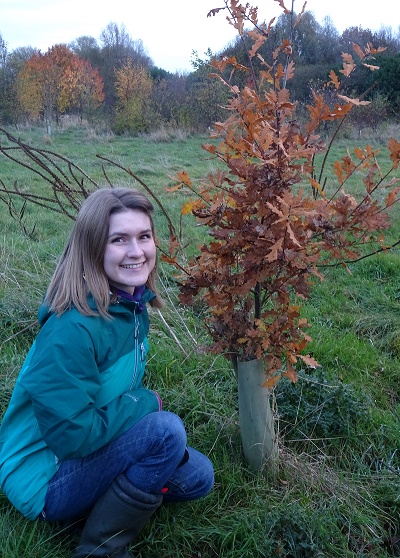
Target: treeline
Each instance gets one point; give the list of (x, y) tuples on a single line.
[(113, 79)]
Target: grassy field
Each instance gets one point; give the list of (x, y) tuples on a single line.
[(337, 493)]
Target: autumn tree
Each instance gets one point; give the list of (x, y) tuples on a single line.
[(37, 88), (274, 217), (133, 87), (81, 88), (55, 82)]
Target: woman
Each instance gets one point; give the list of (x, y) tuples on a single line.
[(82, 435)]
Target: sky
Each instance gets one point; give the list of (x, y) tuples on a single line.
[(169, 29)]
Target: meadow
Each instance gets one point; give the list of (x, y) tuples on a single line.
[(337, 492)]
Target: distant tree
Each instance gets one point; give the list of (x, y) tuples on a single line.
[(387, 82), (81, 88), (159, 74), (87, 48), (20, 55), (57, 81), (304, 34), (329, 49), (171, 100), (5, 84), (387, 38), (371, 116), (117, 50), (37, 87), (355, 35), (315, 48), (133, 89), (3, 51), (207, 96)]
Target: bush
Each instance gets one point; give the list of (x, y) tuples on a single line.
[(319, 408)]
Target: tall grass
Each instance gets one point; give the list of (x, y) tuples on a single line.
[(338, 489)]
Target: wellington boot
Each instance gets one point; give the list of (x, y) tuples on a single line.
[(115, 520)]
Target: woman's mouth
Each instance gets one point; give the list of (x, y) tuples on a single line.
[(132, 266)]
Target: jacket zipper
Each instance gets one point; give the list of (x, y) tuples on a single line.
[(136, 352)]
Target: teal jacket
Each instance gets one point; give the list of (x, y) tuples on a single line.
[(79, 388)]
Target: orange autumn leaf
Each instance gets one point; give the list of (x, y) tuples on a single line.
[(310, 361), (334, 79), (184, 178), (354, 101), (394, 150)]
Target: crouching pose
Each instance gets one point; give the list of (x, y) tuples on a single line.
[(82, 436)]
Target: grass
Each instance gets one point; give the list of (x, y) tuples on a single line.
[(337, 493)]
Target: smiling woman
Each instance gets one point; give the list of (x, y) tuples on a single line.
[(82, 435)]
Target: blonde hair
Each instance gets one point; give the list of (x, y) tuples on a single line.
[(80, 271)]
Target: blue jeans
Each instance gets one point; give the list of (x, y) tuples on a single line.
[(152, 454)]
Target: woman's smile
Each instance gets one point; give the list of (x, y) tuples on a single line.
[(132, 266)]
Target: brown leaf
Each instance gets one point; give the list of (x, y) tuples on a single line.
[(391, 198), (310, 361), (334, 79), (354, 101), (273, 254), (394, 149)]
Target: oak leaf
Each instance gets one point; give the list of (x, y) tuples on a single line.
[(310, 361)]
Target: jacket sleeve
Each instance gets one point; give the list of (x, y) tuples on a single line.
[(62, 380)]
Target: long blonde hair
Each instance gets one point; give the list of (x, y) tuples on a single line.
[(80, 271)]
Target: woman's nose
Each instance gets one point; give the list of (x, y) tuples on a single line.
[(134, 249)]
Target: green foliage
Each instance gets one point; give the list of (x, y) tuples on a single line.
[(387, 81), (320, 408)]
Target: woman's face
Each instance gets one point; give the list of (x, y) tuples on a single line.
[(130, 253)]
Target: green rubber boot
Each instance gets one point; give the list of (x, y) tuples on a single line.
[(115, 520)]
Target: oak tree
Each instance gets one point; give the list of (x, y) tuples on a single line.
[(274, 215)]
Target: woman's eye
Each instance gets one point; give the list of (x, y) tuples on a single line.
[(117, 240)]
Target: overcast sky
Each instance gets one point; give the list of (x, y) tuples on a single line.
[(169, 29)]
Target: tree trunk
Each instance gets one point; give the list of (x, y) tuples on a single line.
[(256, 420)]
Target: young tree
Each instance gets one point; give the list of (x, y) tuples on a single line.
[(273, 218)]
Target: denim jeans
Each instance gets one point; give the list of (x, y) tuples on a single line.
[(154, 457)]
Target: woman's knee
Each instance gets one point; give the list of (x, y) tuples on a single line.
[(167, 428), (192, 480)]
